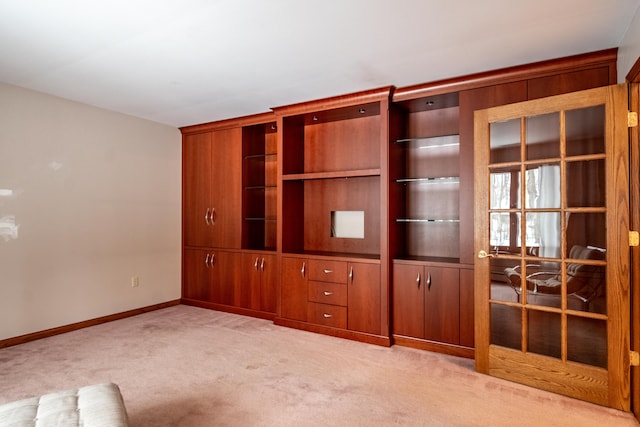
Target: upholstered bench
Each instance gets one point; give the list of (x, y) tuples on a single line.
[(99, 405)]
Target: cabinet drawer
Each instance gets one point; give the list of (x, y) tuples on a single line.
[(328, 293), (327, 315), (328, 271)]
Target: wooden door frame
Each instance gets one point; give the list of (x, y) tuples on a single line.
[(633, 80)]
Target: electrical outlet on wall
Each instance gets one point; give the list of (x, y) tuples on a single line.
[(135, 281)]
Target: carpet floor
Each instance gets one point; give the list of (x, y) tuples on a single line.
[(186, 366)]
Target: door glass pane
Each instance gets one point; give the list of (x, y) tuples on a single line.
[(544, 333), (587, 341), (586, 184), (586, 229), (543, 237), (504, 188), (504, 141), (504, 229), (585, 130), (543, 186), (543, 136), (544, 284), (506, 326), (505, 279)]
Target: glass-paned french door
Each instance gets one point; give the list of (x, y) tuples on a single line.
[(551, 234)]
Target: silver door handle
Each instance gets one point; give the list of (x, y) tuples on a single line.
[(304, 264), (206, 261), (262, 265), (351, 273), (327, 316), (429, 280), (418, 280), (327, 271), (212, 218), (327, 293), (206, 217), (255, 264)]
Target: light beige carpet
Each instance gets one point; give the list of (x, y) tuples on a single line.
[(185, 366)]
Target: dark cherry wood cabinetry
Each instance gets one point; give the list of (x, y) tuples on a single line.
[(333, 179), (353, 215), (229, 215), (212, 185)]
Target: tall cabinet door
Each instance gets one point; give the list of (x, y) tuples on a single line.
[(294, 288), (363, 294), (196, 188), (552, 214), (226, 180)]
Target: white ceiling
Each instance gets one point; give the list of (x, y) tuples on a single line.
[(183, 62)]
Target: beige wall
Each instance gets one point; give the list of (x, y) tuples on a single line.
[(95, 198), (629, 49)]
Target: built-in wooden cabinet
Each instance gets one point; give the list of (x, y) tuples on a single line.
[(229, 215), (353, 215), (332, 211), (212, 185)]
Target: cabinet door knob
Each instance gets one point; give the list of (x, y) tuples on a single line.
[(304, 264), (418, 280), (213, 260), (351, 273), (206, 260), (429, 281), (262, 265), (255, 264), (206, 216), (212, 218)]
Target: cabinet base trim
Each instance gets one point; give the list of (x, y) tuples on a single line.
[(438, 347), (229, 309), (334, 332)]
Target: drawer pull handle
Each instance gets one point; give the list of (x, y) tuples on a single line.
[(327, 293), (327, 271), (327, 316)]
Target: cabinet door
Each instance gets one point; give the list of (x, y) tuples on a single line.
[(363, 294), (293, 288), (249, 294), (196, 283), (269, 283), (408, 300), (226, 194), (225, 276), (196, 188), (442, 305)]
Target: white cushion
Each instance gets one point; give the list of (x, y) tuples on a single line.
[(99, 405)]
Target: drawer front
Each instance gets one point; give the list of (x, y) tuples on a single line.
[(328, 293), (327, 315), (328, 271)]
